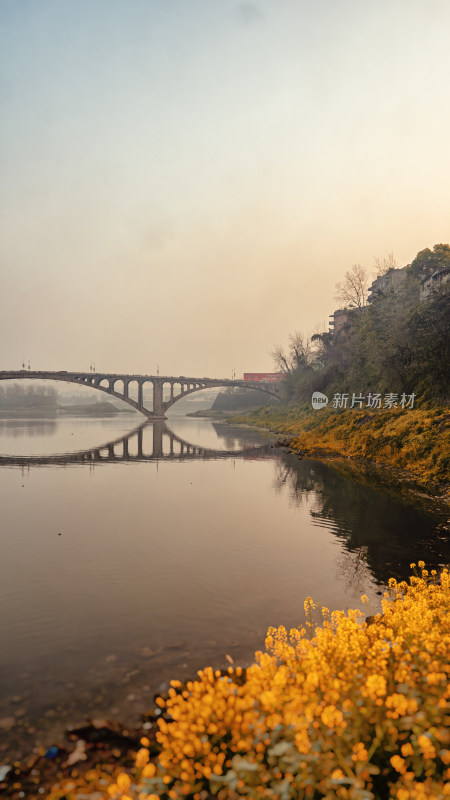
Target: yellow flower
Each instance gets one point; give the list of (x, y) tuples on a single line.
[(427, 746), (376, 686), (142, 757), (149, 771), (123, 781), (359, 752), (433, 678), (336, 774), (400, 705), (331, 717), (398, 764)]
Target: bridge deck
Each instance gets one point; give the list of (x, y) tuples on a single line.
[(106, 382)]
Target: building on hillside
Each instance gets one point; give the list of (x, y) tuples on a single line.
[(434, 282), (338, 320), (389, 282)]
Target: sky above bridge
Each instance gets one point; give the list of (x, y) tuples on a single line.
[(183, 182)]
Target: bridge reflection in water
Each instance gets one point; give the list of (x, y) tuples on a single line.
[(148, 442)]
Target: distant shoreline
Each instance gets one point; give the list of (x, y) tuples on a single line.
[(78, 410)]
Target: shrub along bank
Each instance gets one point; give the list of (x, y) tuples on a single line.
[(345, 709), (416, 440)]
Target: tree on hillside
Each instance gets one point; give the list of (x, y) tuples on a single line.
[(280, 359), (428, 330), (299, 365), (427, 261), (352, 291), (298, 354), (399, 344)]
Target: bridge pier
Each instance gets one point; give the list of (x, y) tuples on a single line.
[(158, 402)]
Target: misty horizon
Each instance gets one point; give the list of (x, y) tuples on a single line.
[(183, 184)]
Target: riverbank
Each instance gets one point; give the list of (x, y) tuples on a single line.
[(413, 443), (219, 415)]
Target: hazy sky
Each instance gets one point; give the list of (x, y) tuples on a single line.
[(182, 182)]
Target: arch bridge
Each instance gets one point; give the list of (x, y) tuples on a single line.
[(110, 383)]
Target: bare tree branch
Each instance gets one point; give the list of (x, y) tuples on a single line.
[(383, 265), (299, 349), (352, 291), (300, 353), (280, 359)]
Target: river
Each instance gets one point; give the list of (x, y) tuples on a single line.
[(130, 557)]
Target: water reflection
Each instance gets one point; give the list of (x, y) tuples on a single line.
[(378, 529), (147, 442), (20, 428), (114, 580)]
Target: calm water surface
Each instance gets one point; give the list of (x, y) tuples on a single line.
[(127, 560)]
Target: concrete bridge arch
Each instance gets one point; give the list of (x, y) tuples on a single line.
[(107, 383)]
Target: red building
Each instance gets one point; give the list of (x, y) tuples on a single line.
[(264, 377)]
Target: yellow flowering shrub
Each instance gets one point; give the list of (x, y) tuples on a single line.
[(346, 710)]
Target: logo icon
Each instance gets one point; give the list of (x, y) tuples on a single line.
[(319, 400)]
